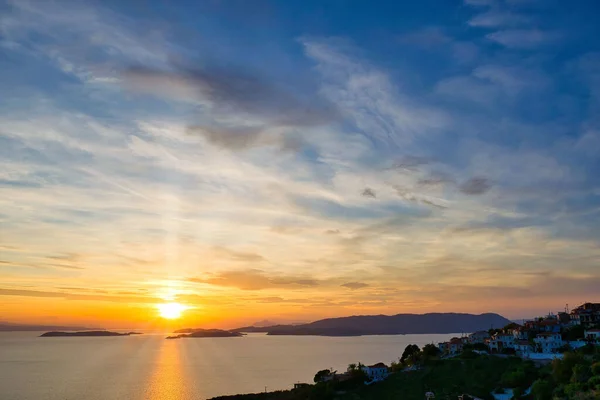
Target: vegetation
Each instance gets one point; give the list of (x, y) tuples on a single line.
[(575, 377)]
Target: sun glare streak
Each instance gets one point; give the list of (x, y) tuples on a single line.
[(171, 310)]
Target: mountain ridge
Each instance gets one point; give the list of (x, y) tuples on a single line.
[(407, 323)]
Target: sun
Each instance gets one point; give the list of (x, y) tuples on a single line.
[(171, 310)]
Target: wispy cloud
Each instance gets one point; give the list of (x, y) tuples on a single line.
[(523, 38)]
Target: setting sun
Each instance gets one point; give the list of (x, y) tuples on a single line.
[(171, 310)]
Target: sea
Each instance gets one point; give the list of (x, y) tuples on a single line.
[(148, 367)]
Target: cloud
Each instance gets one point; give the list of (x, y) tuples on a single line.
[(355, 285), (368, 192), (253, 279), (475, 186), (238, 255), (480, 3), (76, 296), (523, 38), (426, 37), (243, 105), (495, 18), (365, 96), (410, 163)]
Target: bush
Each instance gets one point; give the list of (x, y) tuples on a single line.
[(562, 370), (468, 354), (595, 369), (517, 393), (572, 389), (581, 373), (541, 390), (594, 382)]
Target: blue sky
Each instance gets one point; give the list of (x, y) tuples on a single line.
[(369, 157)]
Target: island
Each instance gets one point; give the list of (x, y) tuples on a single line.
[(87, 334), (204, 333)]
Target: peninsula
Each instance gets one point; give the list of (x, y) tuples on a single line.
[(399, 324), (86, 334)]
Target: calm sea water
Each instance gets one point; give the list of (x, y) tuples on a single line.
[(149, 367)]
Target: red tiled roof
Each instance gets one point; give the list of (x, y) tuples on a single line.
[(456, 341), (593, 330)]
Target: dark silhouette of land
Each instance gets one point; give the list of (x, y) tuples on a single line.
[(388, 325), (204, 333), (86, 334)]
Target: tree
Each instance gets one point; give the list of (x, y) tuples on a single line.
[(562, 370), (595, 368), (581, 373), (481, 347), (574, 333), (430, 351), (409, 352), (517, 393), (541, 390), (323, 375)]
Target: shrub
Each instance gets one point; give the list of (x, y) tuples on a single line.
[(541, 390), (595, 369)]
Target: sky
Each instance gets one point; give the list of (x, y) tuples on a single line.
[(295, 160)]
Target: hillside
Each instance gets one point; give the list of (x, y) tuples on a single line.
[(388, 325)]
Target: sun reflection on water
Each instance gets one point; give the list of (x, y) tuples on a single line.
[(168, 380)]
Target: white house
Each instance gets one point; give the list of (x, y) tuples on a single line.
[(478, 337), (593, 335), (443, 346), (502, 341), (523, 348), (549, 342), (376, 372), (455, 346), (520, 333)]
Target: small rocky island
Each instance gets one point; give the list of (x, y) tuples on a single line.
[(204, 333), (87, 334)]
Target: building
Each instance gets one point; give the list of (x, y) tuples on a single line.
[(548, 342), (523, 348), (376, 372), (478, 337), (443, 346), (455, 346), (586, 314), (593, 335), (520, 333), (549, 324), (501, 341)]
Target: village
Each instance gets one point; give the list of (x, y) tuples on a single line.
[(516, 357), (543, 339), (537, 339)]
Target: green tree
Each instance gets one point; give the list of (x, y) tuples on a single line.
[(581, 373), (542, 390), (562, 370), (517, 393)]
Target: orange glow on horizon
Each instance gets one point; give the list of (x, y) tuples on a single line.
[(171, 310)]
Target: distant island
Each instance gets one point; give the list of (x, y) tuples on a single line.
[(204, 333), (387, 325), (86, 334), (9, 327)]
